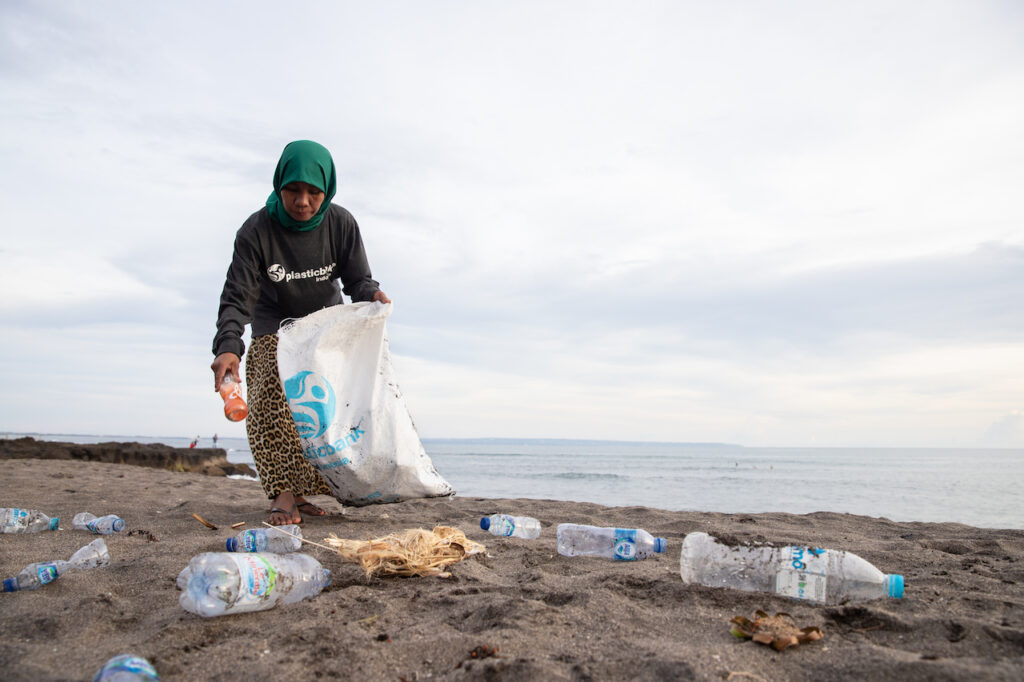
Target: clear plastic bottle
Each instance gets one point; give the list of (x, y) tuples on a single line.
[(13, 520), (511, 526), (818, 575), (235, 408), (219, 583), (126, 668), (34, 576), (621, 544), (281, 539), (103, 525)]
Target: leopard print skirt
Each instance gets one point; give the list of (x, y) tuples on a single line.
[(273, 440)]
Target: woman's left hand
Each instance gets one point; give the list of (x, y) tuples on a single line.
[(381, 297)]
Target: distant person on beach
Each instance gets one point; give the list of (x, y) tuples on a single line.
[(298, 232), (215, 439)]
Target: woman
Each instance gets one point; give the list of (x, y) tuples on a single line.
[(287, 261)]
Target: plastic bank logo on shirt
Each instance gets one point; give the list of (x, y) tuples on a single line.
[(277, 273), (311, 400)]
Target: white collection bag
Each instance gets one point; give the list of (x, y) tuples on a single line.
[(350, 415)]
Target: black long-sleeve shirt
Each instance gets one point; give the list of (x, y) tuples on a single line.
[(276, 274)]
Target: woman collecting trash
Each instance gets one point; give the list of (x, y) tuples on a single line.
[(288, 258)]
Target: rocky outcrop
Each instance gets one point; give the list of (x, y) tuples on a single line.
[(209, 461)]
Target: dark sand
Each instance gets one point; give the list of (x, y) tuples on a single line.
[(550, 617)]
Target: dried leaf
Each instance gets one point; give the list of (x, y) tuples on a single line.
[(778, 631)]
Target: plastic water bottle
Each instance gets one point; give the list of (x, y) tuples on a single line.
[(104, 525), (25, 521), (287, 538), (235, 408), (511, 526), (818, 575), (219, 583), (126, 668), (621, 544), (34, 576)]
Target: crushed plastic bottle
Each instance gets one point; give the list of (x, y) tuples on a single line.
[(219, 583), (126, 668), (34, 576), (14, 520), (235, 408), (511, 526), (621, 544), (103, 525), (281, 539), (818, 575)]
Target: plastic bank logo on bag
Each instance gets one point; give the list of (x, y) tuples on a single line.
[(355, 427), (312, 402)]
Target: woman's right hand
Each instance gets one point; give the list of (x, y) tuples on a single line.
[(225, 363)]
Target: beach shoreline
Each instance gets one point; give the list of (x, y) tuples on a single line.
[(548, 616)]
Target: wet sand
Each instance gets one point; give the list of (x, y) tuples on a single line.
[(549, 617)]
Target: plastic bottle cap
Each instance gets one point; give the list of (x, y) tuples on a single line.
[(485, 523), (894, 581), (118, 525), (660, 545), (10, 585), (54, 522), (232, 544), (327, 578)]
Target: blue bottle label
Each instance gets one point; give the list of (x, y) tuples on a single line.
[(802, 573), (130, 664), (625, 544), (507, 526), (46, 573), (253, 541)]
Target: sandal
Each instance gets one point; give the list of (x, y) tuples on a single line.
[(288, 512), (311, 509)]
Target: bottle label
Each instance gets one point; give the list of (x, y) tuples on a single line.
[(802, 573), (625, 545), (251, 541), (91, 525), (140, 667), (507, 526), (256, 578), (46, 573)]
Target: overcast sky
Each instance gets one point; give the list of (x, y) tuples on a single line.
[(787, 223)]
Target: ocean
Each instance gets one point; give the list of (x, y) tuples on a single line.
[(978, 487)]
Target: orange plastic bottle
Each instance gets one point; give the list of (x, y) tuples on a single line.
[(235, 408)]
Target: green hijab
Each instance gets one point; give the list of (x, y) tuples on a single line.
[(303, 161)]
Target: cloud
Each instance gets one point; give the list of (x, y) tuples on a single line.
[(1006, 432), (714, 223)]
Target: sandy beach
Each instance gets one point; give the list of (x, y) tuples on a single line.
[(549, 617)]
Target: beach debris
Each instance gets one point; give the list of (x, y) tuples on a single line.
[(126, 668), (482, 651), (203, 521), (144, 533), (238, 525), (412, 552), (779, 631), (34, 576)]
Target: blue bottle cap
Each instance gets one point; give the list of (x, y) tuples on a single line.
[(10, 585), (232, 544), (485, 522), (54, 522), (660, 545), (894, 582), (118, 524)]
